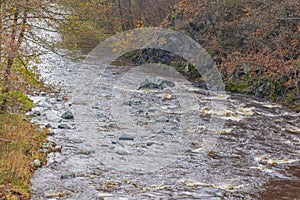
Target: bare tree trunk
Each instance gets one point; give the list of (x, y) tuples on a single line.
[(10, 62), (131, 25), (121, 16)]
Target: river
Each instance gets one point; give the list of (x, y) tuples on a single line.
[(160, 154)]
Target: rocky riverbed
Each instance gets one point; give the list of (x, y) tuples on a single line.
[(140, 140)]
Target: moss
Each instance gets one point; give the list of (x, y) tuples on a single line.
[(17, 101), (292, 100), (237, 86)]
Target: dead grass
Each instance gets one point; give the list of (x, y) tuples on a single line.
[(20, 142)]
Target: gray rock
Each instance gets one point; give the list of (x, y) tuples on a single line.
[(159, 84), (67, 115), (148, 85), (166, 83), (70, 175), (126, 137), (63, 126)]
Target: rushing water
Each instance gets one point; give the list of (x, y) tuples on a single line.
[(256, 154)]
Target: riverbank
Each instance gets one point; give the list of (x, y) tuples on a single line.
[(275, 90), (282, 89), (20, 155), (254, 44), (20, 139)]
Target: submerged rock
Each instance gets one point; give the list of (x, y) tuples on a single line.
[(166, 83), (63, 126), (86, 152), (131, 103), (126, 137), (148, 85), (150, 144), (48, 125), (159, 84), (122, 153), (70, 175), (162, 119)]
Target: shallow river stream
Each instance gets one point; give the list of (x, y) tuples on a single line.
[(151, 143)]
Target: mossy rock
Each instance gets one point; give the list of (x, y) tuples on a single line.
[(237, 86)]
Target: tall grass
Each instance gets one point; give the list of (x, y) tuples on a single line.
[(20, 142)]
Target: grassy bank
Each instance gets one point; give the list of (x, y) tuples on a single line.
[(20, 142)]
